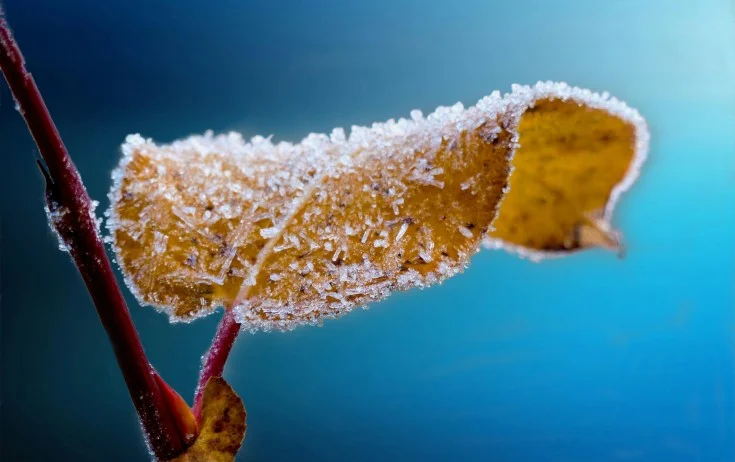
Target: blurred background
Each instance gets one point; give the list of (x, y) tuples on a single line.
[(588, 358)]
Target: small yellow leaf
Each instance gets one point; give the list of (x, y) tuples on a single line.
[(577, 153), (290, 234), (222, 425)]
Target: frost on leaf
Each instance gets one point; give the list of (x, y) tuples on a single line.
[(289, 234), (222, 425), (577, 152)]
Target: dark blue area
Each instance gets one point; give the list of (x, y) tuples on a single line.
[(584, 359)]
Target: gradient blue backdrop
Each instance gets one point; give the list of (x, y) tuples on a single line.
[(586, 359)]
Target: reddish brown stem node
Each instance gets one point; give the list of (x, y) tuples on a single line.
[(213, 362), (75, 221)]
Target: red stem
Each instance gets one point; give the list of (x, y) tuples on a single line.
[(77, 227), (213, 363)]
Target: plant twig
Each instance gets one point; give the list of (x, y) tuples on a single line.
[(74, 219), (213, 362)]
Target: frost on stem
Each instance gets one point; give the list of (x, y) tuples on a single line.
[(55, 214), (289, 234)]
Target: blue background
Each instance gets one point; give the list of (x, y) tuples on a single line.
[(588, 358)]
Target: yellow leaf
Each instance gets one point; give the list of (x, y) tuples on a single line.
[(577, 153), (222, 425), (290, 234)]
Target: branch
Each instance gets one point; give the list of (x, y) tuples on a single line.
[(213, 363), (73, 217)]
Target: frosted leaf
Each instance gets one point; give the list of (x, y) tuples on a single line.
[(289, 234)]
